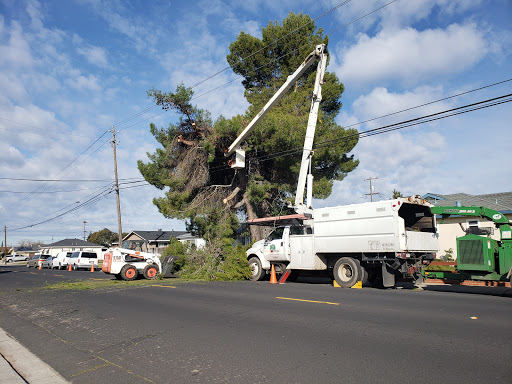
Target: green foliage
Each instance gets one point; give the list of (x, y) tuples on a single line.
[(448, 254), (396, 194), (440, 268), (218, 260), (178, 250), (191, 167), (104, 237)]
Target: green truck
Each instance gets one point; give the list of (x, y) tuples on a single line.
[(478, 256)]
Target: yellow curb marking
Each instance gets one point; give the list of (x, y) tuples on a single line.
[(307, 301), (163, 286)]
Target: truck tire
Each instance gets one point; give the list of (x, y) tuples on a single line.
[(129, 272), (150, 272), (347, 272), (258, 273)]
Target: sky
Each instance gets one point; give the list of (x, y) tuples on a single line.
[(70, 70)]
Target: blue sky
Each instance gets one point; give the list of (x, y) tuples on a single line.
[(70, 69)]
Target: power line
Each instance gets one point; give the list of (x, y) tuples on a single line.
[(387, 128), (104, 193), (274, 42), (243, 59), (66, 180)]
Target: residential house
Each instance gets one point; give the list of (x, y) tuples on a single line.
[(72, 245), (157, 241), (189, 239), (455, 226), (26, 251)]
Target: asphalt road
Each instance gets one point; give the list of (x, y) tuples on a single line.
[(244, 332)]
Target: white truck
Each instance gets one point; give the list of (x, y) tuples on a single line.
[(374, 241), (127, 264)]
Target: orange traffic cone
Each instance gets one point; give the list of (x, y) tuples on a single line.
[(273, 279), (40, 267), (92, 267), (69, 267)]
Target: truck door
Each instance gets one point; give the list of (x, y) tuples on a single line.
[(275, 247)]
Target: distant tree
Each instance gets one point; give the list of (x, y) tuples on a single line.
[(396, 194), (104, 237)]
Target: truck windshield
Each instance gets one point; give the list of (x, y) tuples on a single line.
[(276, 234), (417, 218)]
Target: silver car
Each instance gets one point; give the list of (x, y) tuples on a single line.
[(47, 263)]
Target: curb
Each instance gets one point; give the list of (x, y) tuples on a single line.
[(19, 365)]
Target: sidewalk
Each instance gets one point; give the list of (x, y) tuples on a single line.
[(19, 365)]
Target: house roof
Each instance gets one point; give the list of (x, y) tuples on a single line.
[(26, 249), (501, 202), (156, 235), (72, 243)]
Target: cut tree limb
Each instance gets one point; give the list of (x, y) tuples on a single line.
[(231, 195)]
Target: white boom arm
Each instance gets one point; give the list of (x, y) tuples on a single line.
[(318, 52), (307, 152)]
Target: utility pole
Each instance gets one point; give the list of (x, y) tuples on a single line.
[(85, 222), (5, 244), (117, 189), (371, 188)]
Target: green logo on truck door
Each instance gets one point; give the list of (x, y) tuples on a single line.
[(272, 247)]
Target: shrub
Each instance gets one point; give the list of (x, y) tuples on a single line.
[(218, 260)]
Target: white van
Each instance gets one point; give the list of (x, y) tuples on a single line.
[(61, 260), (83, 260)]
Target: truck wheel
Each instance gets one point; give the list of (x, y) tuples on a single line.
[(129, 272), (258, 273), (150, 272), (347, 272)]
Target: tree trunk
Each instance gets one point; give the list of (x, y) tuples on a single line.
[(256, 230)]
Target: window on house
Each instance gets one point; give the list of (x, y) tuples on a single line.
[(473, 223)]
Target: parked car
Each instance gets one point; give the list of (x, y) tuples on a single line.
[(84, 260), (37, 260), (33, 261), (61, 260), (16, 257), (47, 263)]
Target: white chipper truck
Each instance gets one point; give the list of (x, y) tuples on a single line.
[(375, 241), (127, 264)]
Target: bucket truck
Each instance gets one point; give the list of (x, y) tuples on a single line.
[(374, 241)]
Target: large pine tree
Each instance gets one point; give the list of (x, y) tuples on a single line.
[(191, 164)]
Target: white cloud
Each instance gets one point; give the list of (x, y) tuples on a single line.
[(411, 56), (94, 55), (87, 83), (381, 102), (399, 14), (16, 53)]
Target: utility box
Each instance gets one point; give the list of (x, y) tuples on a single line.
[(238, 160)]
